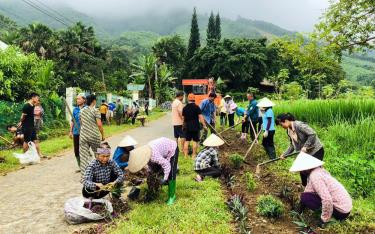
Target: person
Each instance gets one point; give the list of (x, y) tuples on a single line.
[(119, 112), (265, 106), (322, 192), (302, 138), (251, 117), (75, 126), (121, 154), (230, 109), (162, 152), (18, 135), (147, 104), (91, 131), (208, 109), (135, 111), (177, 119), (100, 172), (111, 109), (38, 116), (223, 113), (103, 111), (207, 162), (192, 115), (27, 123)]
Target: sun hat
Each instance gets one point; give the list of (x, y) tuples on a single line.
[(127, 141), (191, 97), (227, 96), (305, 162), (139, 158), (213, 141), (265, 102)]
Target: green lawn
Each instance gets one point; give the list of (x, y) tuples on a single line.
[(199, 208), (54, 146)]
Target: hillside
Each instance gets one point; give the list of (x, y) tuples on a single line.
[(359, 69)]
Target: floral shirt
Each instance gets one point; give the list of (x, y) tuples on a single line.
[(163, 149)]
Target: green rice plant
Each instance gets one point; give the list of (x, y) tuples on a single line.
[(269, 206), (250, 181), (236, 160)]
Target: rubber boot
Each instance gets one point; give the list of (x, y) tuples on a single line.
[(171, 192)]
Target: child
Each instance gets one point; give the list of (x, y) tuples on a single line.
[(265, 106), (207, 162), (100, 172), (18, 134), (121, 155)]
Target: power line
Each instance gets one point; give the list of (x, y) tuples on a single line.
[(33, 5), (54, 11)]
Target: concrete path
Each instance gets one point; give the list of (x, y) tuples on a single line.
[(32, 199)]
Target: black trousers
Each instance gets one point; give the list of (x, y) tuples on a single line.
[(223, 118), (231, 120), (269, 145), (103, 118), (76, 147), (134, 117), (210, 171), (255, 124), (88, 193), (319, 155), (245, 127)]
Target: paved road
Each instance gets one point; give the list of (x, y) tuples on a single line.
[(32, 199)]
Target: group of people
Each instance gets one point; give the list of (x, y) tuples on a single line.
[(322, 191)]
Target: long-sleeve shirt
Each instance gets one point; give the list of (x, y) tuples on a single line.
[(208, 110), (302, 135), (230, 107), (332, 193), (163, 149), (252, 111), (206, 158), (119, 152), (97, 172)]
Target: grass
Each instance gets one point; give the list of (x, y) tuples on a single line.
[(54, 146), (199, 208)]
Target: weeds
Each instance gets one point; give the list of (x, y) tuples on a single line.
[(250, 182), (302, 226), (240, 212), (236, 160), (269, 206)]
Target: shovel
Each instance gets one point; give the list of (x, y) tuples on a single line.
[(218, 134), (257, 171)]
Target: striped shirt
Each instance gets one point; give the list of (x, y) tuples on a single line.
[(206, 158), (89, 127), (163, 149), (332, 193)]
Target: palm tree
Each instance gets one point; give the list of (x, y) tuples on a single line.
[(146, 69)]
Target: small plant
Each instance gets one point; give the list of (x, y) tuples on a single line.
[(302, 226), (269, 206), (236, 160), (240, 212), (287, 194), (250, 182)]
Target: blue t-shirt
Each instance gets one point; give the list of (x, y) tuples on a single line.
[(208, 109), (111, 106), (76, 127), (240, 111), (266, 115), (117, 157)]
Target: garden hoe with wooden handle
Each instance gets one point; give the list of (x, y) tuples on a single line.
[(254, 132), (70, 112), (230, 127), (218, 134), (251, 146), (257, 170)]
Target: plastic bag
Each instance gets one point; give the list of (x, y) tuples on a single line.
[(31, 156), (76, 213)]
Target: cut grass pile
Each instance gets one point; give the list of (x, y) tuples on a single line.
[(199, 208), (51, 147)]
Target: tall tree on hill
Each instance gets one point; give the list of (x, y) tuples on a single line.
[(194, 41), (211, 29), (217, 27)]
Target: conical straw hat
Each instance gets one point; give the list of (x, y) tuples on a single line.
[(305, 162), (265, 102), (127, 141), (139, 158), (227, 96), (213, 141)]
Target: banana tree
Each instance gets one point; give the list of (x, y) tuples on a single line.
[(146, 69), (164, 83)]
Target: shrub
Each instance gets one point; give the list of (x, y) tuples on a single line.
[(42, 136), (250, 182), (236, 160), (269, 206)]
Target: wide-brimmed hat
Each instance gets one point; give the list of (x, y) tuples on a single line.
[(139, 158), (227, 96), (213, 141), (305, 162), (127, 141), (191, 97), (265, 102)]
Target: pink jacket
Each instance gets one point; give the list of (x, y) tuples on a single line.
[(332, 193), (163, 150)]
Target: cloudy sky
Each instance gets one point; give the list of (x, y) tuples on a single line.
[(299, 15)]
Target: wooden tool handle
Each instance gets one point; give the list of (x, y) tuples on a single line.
[(277, 159)]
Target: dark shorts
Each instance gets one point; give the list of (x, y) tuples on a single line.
[(29, 135), (192, 136), (178, 132)]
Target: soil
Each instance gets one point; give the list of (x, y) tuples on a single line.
[(268, 183)]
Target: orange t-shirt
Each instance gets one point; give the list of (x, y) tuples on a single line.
[(177, 107)]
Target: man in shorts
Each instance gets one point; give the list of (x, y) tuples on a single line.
[(27, 123), (192, 115), (177, 120)]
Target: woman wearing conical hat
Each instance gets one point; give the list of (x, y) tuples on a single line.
[(121, 155), (265, 105), (322, 192)]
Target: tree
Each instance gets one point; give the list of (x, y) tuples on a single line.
[(163, 85), (279, 80), (211, 29), (194, 41), (292, 91), (348, 25), (146, 69), (217, 27)]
